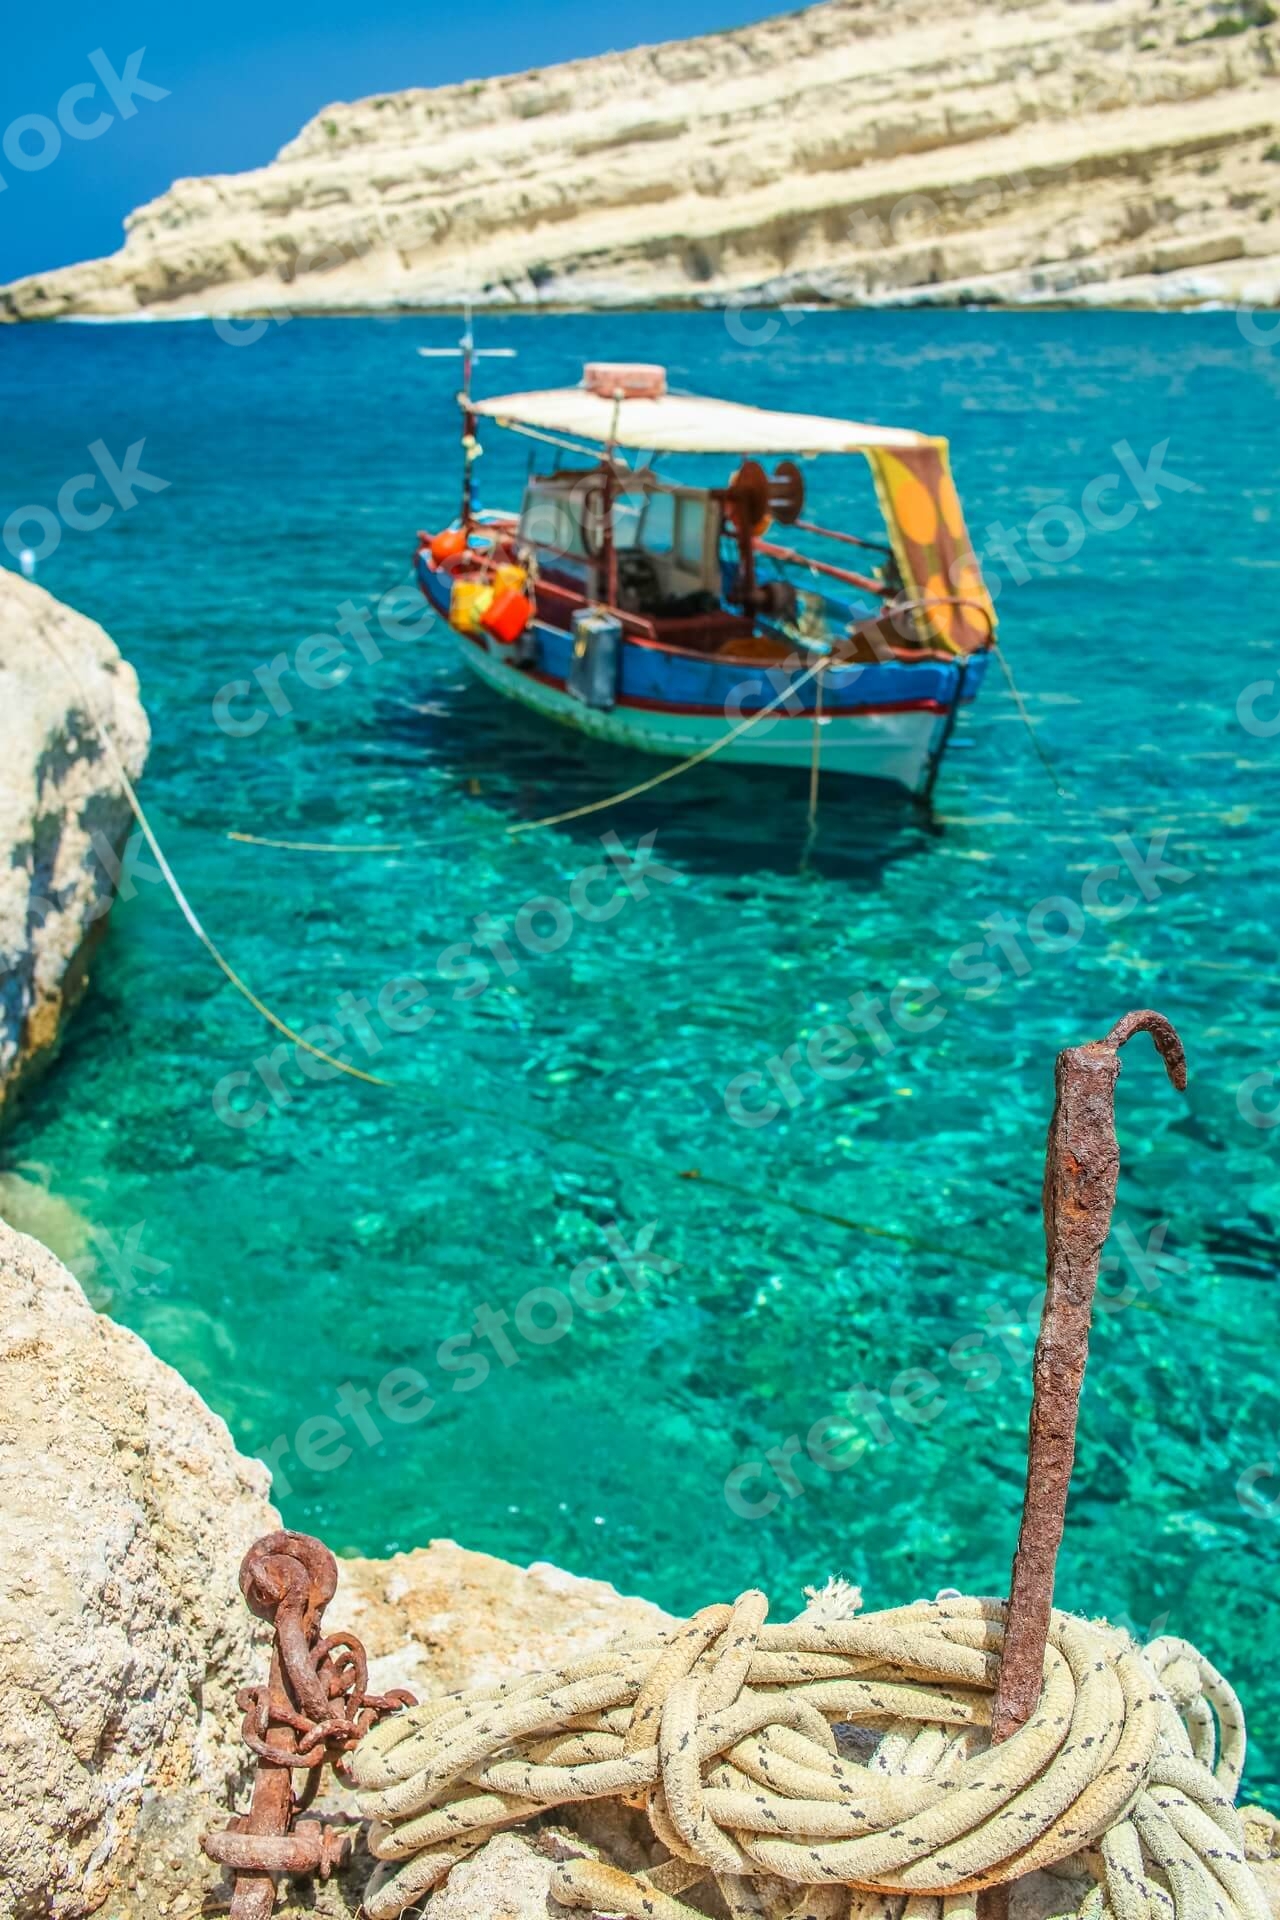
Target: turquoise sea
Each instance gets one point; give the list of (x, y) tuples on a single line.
[(859, 1268)]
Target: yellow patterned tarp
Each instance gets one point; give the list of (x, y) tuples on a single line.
[(932, 546)]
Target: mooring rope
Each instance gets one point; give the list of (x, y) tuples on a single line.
[(1041, 752), (428, 1096), (170, 879), (1127, 1769), (628, 793)]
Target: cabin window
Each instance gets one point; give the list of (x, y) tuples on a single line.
[(650, 523), (691, 522), (551, 520)]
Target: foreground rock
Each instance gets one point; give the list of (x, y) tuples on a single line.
[(440, 1618), (125, 1511), (1065, 150), (63, 812)]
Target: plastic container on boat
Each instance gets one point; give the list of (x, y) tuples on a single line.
[(469, 601), (597, 652), (507, 616)]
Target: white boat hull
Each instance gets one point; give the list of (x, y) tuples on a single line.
[(893, 746)]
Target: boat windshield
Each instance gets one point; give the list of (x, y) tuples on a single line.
[(665, 523), (676, 528)]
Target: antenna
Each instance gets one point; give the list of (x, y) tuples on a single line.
[(469, 353), (466, 347)]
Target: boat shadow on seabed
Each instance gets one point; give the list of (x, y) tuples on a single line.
[(715, 819)]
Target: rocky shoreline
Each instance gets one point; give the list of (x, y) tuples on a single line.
[(1014, 152), (124, 1641), (126, 1509), (124, 1638)]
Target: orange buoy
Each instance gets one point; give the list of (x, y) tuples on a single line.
[(447, 545)]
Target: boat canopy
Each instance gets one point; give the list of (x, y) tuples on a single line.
[(629, 406), (686, 423)]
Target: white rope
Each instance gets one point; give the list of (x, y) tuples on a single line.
[(724, 1733)]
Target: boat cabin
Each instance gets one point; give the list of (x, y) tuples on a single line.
[(730, 570), (665, 539)]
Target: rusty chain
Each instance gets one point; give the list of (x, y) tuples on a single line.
[(313, 1707)]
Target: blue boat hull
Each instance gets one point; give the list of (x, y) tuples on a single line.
[(881, 719)]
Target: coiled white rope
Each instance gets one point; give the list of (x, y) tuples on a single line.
[(723, 1732)]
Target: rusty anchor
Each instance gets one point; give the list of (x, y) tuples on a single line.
[(314, 1707)]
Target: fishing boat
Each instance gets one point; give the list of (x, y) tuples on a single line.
[(689, 620)]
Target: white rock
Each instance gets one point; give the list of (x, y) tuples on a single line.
[(506, 1880), (125, 1511), (61, 803)]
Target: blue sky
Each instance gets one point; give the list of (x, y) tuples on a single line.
[(242, 79)]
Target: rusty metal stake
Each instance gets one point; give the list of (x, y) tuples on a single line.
[(314, 1707), (1082, 1163)]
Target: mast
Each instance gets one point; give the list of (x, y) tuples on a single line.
[(470, 444), (608, 548), (470, 353)]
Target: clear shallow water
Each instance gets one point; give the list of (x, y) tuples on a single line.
[(354, 1228)]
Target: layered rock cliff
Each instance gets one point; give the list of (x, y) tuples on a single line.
[(862, 150), (63, 811)]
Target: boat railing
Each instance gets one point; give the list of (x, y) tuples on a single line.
[(845, 539), (790, 556), (900, 617)]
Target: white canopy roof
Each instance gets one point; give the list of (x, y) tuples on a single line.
[(684, 423)]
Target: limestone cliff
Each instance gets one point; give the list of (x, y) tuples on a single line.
[(63, 812), (862, 150)]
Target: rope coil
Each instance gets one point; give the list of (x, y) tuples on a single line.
[(724, 1734)]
